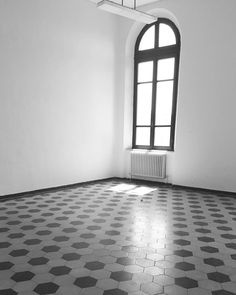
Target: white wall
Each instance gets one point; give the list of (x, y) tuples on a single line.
[(205, 136), (66, 82), (57, 93)]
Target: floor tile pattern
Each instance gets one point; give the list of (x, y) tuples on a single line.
[(94, 240)]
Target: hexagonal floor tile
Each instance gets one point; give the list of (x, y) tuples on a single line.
[(184, 266), (85, 282), (61, 239), (233, 256), (71, 256), (87, 236), (231, 245), (4, 245), (22, 276), (206, 239), (121, 276), (8, 292), (218, 277), (52, 248), (19, 252), (43, 232), (125, 261), (60, 270), (38, 261), (32, 242), (181, 242), (107, 242), (186, 282), (94, 265), (46, 288), (5, 265), (183, 253), (80, 245), (222, 292), (114, 292), (209, 249), (151, 288), (213, 261)]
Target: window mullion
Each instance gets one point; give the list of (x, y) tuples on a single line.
[(153, 111), (154, 90)]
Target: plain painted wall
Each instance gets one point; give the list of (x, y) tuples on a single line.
[(205, 143), (66, 86), (57, 93)]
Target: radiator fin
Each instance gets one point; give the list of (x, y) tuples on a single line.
[(148, 165)]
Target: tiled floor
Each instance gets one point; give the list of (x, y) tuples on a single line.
[(93, 240)]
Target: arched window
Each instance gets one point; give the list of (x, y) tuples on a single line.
[(156, 70)]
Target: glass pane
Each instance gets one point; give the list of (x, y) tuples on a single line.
[(166, 35), (142, 136), (147, 41), (162, 136), (165, 68), (145, 71), (164, 102), (144, 103)]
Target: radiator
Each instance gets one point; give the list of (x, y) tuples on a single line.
[(148, 165)]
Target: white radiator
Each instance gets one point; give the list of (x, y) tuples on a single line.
[(148, 165)]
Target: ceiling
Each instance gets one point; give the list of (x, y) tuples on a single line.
[(130, 3)]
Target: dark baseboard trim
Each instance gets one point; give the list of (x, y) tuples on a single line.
[(176, 186), (127, 180), (205, 190), (51, 189)]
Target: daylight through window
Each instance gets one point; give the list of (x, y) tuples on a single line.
[(155, 86)]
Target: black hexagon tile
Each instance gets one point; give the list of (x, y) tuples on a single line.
[(218, 277), (121, 276), (22, 276), (8, 292), (85, 282), (71, 256), (115, 292), (38, 261), (213, 261), (46, 288), (186, 282), (19, 252), (60, 270), (94, 265), (5, 265), (185, 266)]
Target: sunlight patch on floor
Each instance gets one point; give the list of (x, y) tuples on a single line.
[(132, 189)]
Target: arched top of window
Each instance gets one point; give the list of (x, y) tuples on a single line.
[(162, 33)]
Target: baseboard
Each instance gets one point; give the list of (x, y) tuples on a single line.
[(51, 189), (205, 190), (176, 186), (127, 180)]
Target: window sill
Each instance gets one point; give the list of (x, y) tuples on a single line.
[(147, 151)]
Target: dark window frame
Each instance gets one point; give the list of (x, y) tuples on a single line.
[(154, 55)]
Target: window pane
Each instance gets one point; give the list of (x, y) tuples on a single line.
[(166, 35), (165, 68), (147, 41), (144, 103), (164, 102), (145, 71), (142, 136), (162, 136)]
